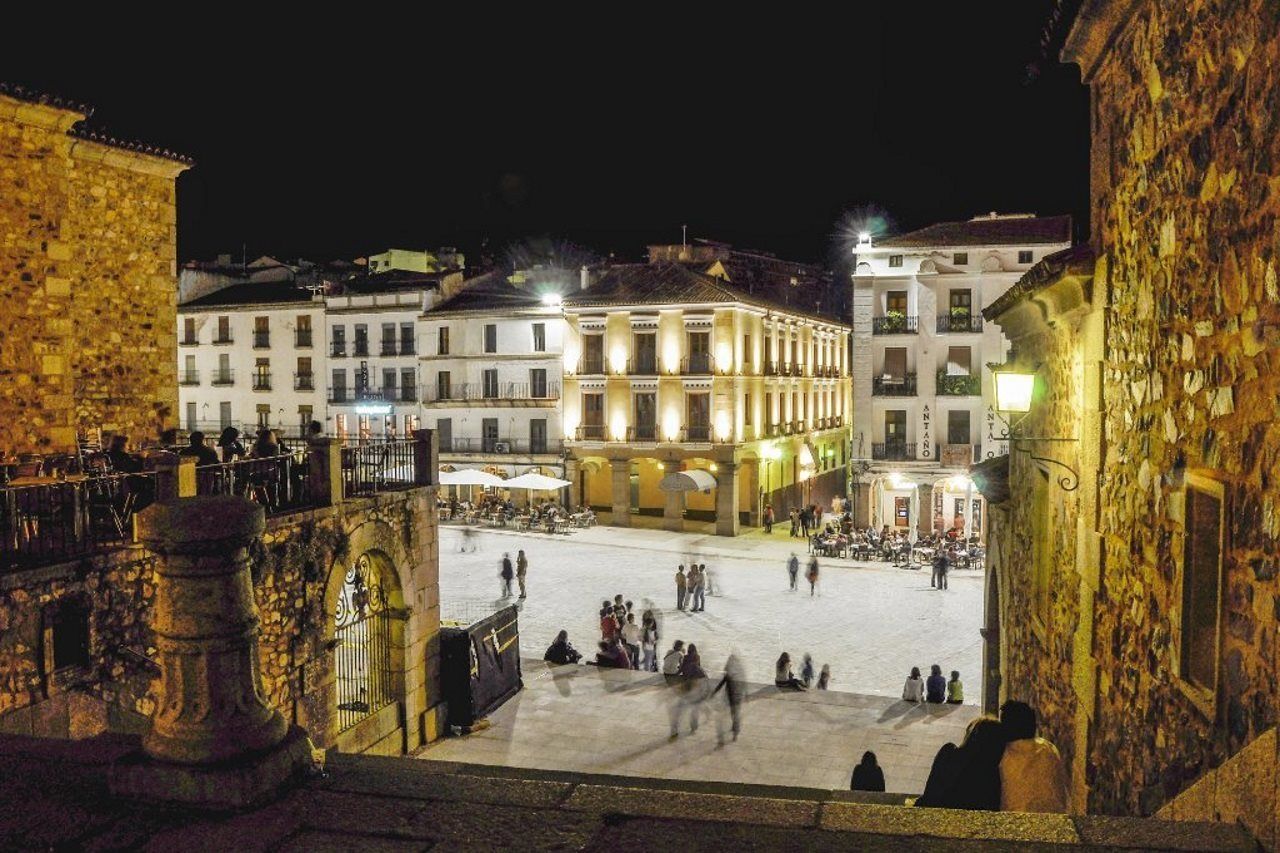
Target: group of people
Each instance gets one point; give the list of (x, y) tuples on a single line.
[(682, 668), (624, 642), (785, 679), (507, 573), (692, 587), (811, 573), (936, 688)]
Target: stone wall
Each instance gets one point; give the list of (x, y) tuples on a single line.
[(301, 558), (88, 264)]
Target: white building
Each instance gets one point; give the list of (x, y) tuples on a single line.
[(491, 363), (923, 394)]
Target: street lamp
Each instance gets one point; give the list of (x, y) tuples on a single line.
[(1014, 391)]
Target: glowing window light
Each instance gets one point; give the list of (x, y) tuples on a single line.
[(1013, 390)]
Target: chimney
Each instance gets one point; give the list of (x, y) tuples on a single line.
[(584, 278)]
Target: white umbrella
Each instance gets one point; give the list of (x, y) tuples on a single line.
[(535, 482), (693, 480), (470, 477)]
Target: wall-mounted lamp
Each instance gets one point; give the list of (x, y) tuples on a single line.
[(1014, 390)]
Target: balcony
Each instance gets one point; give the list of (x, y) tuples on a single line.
[(499, 391), (302, 338), (408, 394), (501, 446), (591, 366), (963, 385), (341, 395), (388, 348), (895, 324), (189, 377), (304, 382), (772, 430), (959, 322), (361, 349), (222, 340), (590, 432), (338, 349), (642, 433), (189, 342), (696, 364), (799, 426), (696, 433), (223, 377), (894, 386), (262, 381), (407, 347), (959, 455), (643, 366), (771, 368), (262, 340), (893, 451)]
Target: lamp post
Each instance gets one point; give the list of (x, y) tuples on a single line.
[(1015, 392)]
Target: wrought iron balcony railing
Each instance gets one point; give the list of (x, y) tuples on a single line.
[(893, 451), (894, 386), (895, 324), (959, 322), (964, 385)]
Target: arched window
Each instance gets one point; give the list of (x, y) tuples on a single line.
[(362, 635)]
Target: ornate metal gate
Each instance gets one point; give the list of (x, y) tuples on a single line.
[(362, 631)]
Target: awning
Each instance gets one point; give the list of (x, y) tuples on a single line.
[(687, 481), (535, 482), (470, 477)]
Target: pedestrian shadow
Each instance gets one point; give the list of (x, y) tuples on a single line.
[(901, 708)]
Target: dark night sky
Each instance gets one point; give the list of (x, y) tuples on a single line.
[(611, 133)]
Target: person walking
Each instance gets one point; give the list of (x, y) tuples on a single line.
[(768, 518), (795, 523), (522, 566), (735, 687), (507, 575), (691, 689), (812, 575), (682, 584), (793, 569), (936, 686), (913, 690), (806, 520), (867, 776), (700, 590)]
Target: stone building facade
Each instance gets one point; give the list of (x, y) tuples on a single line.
[(88, 260), (1152, 587)]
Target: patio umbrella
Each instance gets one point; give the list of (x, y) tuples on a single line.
[(693, 480), (535, 482), (470, 477)]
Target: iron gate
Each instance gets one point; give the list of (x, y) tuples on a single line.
[(362, 633)]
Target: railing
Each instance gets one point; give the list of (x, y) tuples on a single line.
[(798, 426), (341, 395), (498, 391), (189, 377), (388, 348), (837, 421), (279, 483), (959, 455), (959, 323), (772, 430), (304, 382), (302, 338), (696, 364), (52, 522), (962, 385), (647, 366), (262, 381), (338, 349), (189, 342), (893, 451), (590, 432), (696, 433), (771, 368), (379, 467), (590, 366), (408, 394), (407, 347), (227, 339), (895, 324), (501, 446), (223, 377), (361, 349), (894, 386), (261, 340), (642, 432)]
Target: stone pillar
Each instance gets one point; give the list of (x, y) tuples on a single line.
[(324, 470), (727, 499), (673, 508), (755, 511), (621, 470), (424, 457), (213, 741), (573, 473), (175, 477)]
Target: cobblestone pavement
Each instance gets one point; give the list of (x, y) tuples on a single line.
[(869, 621)]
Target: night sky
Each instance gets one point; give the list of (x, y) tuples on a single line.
[(477, 131)]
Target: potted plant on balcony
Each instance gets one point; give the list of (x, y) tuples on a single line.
[(895, 321)]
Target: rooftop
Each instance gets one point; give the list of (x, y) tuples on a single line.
[(1076, 260), (250, 293), (990, 230)]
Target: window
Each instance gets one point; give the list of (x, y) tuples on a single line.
[(388, 383), (406, 339), (302, 331), (645, 347), (748, 358), (191, 417), (491, 383), (442, 340), (305, 380), (697, 417), (444, 434), (957, 427), (339, 341), (491, 337), (592, 354), (65, 634), (895, 363), (960, 259), (264, 416), (224, 331), (388, 338), (1201, 583), (442, 385), (699, 352), (338, 385), (959, 360), (224, 415), (895, 260), (189, 375), (489, 434), (538, 383), (646, 416), (1024, 256), (362, 339), (961, 302), (305, 417), (539, 337), (895, 302), (746, 409), (408, 384), (262, 374), (223, 376), (340, 426), (592, 417), (189, 330), (261, 332), (538, 435)]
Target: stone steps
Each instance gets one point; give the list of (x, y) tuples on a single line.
[(659, 813)]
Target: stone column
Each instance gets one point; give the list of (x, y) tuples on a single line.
[(673, 508), (213, 741), (573, 473), (175, 477), (621, 471), (727, 499), (324, 470), (755, 511)]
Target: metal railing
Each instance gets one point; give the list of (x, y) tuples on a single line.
[(360, 349), (224, 340), (590, 432), (262, 381), (501, 446), (341, 395), (959, 455), (379, 467), (771, 368), (894, 386), (958, 385), (52, 522), (302, 338), (189, 377), (304, 382), (959, 322), (893, 451), (280, 484), (696, 433), (261, 340), (408, 347), (895, 324), (642, 433), (644, 366), (492, 391), (387, 348), (696, 364), (338, 349), (223, 377), (189, 342), (590, 366)]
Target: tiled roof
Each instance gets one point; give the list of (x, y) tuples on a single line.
[(33, 96), (986, 231), (1077, 260), (489, 292), (250, 293)]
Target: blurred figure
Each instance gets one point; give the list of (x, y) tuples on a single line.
[(230, 445), (806, 670), (824, 677), (671, 662), (522, 567), (561, 651), (682, 584), (735, 687), (631, 637), (507, 575), (612, 655), (768, 518), (812, 575), (649, 642), (867, 776), (784, 678), (690, 691), (793, 569)]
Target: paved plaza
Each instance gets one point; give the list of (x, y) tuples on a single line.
[(870, 621)]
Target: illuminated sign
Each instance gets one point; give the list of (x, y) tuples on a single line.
[(373, 409)]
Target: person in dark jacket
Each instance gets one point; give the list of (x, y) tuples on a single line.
[(561, 651), (230, 445), (196, 447), (968, 776), (735, 687), (507, 574), (936, 686), (867, 776)]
